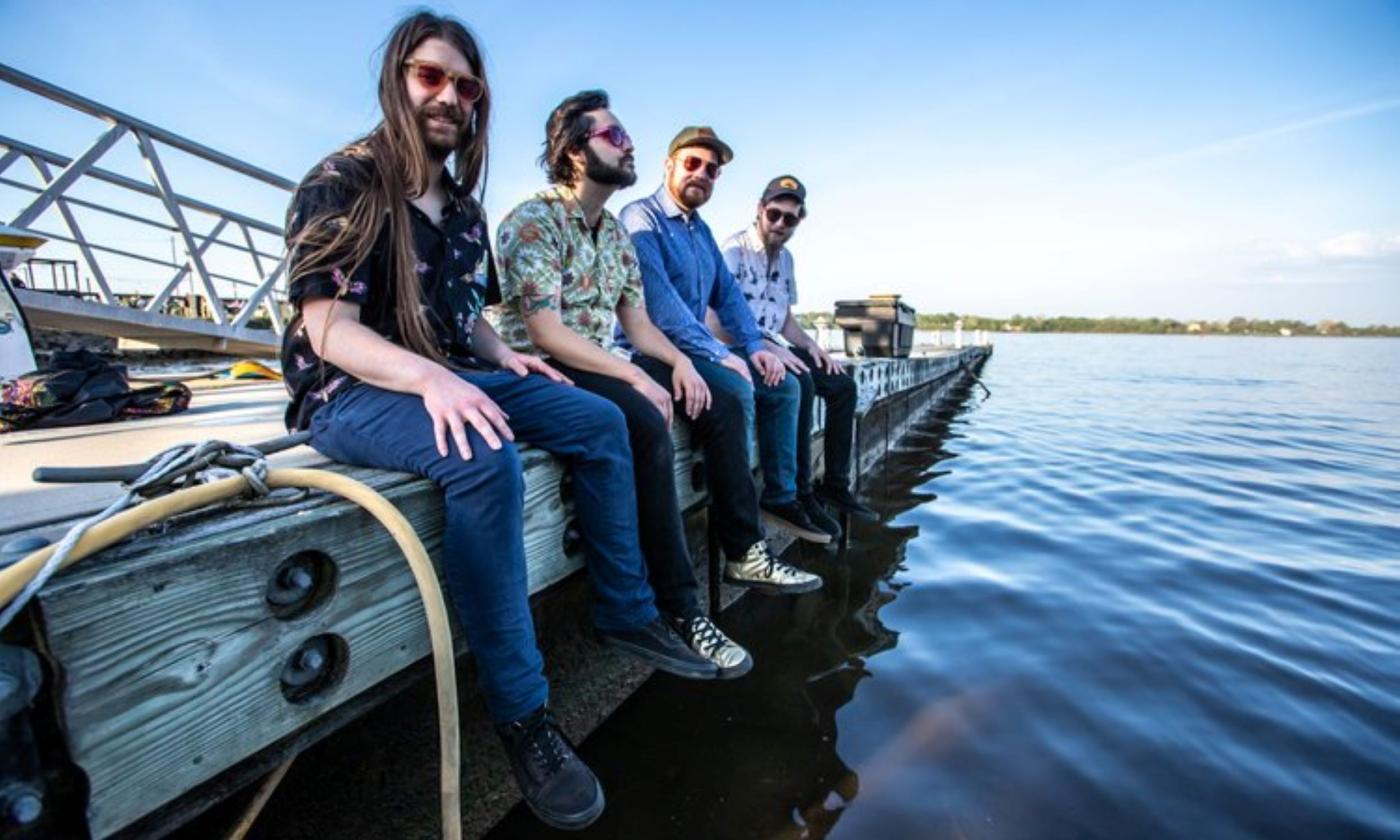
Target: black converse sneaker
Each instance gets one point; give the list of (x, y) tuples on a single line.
[(657, 645), (791, 516), (762, 572), (555, 782), (706, 639), (818, 515), (840, 497)]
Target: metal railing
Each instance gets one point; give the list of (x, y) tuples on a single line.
[(58, 174)]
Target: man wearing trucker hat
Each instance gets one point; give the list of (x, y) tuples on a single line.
[(763, 267)]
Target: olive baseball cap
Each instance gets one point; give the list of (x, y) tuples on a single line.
[(784, 185), (702, 135)]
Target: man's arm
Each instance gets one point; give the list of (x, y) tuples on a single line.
[(794, 333), (664, 304), (729, 305), (487, 344), (727, 299), (687, 384), (337, 336)]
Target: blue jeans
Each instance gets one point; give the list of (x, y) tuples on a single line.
[(777, 408), (483, 553)]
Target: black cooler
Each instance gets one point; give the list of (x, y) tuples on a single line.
[(879, 326)]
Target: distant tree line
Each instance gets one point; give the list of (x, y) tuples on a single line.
[(1238, 325)]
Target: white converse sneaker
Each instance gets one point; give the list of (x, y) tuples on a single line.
[(706, 639), (762, 572)]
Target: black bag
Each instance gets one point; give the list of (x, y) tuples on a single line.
[(79, 388)]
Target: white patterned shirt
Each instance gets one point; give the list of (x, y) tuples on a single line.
[(768, 287)]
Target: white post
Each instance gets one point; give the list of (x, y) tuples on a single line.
[(957, 334)]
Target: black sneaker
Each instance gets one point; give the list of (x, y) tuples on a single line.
[(792, 517), (819, 516), (841, 498), (555, 782), (657, 645)]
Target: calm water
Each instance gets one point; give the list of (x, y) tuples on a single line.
[(1150, 589)]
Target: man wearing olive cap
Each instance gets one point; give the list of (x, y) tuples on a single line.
[(684, 276)]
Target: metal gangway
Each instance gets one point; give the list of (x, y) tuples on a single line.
[(237, 309)]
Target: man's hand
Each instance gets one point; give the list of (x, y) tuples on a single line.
[(737, 365), (655, 394), (521, 364), (769, 368), (788, 358), (824, 361), (690, 388), (452, 403)]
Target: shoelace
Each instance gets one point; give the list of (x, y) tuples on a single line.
[(775, 568), (546, 748), (707, 635)]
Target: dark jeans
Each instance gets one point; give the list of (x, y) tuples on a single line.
[(839, 391), (775, 420), (721, 432), (661, 530), (483, 552)]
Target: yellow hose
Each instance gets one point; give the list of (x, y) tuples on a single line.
[(120, 526)]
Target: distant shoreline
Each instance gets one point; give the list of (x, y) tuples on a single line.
[(1239, 326)]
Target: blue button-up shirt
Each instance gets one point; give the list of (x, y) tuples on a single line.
[(683, 273)]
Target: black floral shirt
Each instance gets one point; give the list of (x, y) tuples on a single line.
[(453, 262)]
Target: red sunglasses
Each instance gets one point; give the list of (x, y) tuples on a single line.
[(433, 77), (616, 136), (693, 163)]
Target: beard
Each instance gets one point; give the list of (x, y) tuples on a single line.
[(441, 141), (694, 193), (600, 172), (773, 238)]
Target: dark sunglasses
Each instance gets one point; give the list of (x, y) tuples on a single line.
[(616, 136), (434, 76), (693, 163), (773, 214)]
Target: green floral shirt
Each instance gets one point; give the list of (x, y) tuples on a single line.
[(550, 259)]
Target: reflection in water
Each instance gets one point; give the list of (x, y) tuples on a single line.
[(1154, 599), (758, 758)]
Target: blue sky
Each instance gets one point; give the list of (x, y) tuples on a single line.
[(1184, 160)]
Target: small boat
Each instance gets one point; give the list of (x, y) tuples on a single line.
[(16, 340)]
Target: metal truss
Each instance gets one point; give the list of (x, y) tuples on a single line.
[(58, 174)]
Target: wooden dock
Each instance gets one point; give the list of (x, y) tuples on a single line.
[(179, 658)]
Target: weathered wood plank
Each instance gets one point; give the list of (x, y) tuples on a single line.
[(170, 675)]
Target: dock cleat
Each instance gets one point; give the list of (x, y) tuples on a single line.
[(762, 572), (706, 639)]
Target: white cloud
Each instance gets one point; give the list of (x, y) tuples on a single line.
[(1240, 142), (1351, 247)]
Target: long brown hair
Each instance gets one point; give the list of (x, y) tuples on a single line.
[(401, 169)]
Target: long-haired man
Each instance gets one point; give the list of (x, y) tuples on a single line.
[(389, 366)]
